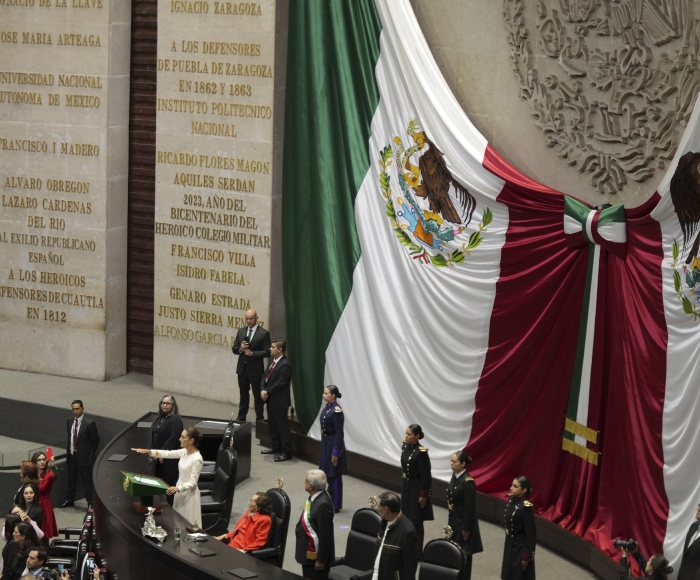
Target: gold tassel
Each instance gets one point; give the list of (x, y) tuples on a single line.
[(581, 430), (580, 451)]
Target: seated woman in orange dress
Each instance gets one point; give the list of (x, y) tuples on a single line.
[(252, 530)]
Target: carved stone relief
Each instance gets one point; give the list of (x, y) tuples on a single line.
[(611, 83)]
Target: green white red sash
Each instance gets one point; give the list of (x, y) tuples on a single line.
[(604, 229), (312, 547)]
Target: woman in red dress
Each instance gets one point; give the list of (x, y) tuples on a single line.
[(46, 478)]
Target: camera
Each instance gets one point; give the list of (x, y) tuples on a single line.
[(629, 545)]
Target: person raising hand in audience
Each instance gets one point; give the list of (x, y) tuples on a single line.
[(47, 477)]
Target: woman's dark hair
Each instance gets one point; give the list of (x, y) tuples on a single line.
[(660, 567), (462, 457), (193, 433), (11, 521), (333, 390), (263, 502), (30, 538), (36, 456), (33, 508), (174, 410), (29, 472), (525, 484), (31, 541), (416, 430)]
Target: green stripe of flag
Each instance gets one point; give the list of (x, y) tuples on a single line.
[(331, 97), (572, 408)]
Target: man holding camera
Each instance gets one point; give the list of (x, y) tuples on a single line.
[(690, 563)]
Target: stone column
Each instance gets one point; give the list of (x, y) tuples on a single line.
[(214, 133), (64, 116)]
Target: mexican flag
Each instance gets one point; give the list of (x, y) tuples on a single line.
[(434, 283)]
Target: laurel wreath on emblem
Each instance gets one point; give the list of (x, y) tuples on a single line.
[(431, 214), (685, 195), (686, 282)]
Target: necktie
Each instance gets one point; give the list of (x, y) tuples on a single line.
[(248, 336), (75, 436), (269, 372)]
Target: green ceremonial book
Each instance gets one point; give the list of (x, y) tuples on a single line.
[(143, 486)]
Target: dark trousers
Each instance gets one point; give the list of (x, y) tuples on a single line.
[(85, 474), (420, 535), (279, 431), (309, 571), (246, 383), (468, 568)]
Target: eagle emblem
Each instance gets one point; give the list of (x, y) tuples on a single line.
[(685, 195), (430, 211)]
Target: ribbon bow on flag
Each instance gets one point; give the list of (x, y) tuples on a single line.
[(605, 228), (595, 229)]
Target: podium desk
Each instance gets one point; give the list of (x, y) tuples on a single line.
[(130, 556)]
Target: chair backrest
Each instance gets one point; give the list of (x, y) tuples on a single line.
[(442, 560), (361, 548), (228, 436), (81, 565), (282, 507), (275, 537), (225, 480), (88, 534)]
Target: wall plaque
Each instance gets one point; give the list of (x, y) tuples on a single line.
[(214, 133), (64, 92)]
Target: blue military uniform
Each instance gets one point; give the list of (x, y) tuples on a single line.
[(333, 445)]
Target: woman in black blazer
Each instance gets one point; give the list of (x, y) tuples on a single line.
[(461, 503), (165, 434)]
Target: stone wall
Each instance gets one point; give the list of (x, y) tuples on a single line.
[(588, 97), (64, 94), (214, 176)]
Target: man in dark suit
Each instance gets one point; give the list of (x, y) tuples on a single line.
[(690, 564), (315, 547), (83, 441), (397, 557), (252, 345), (275, 391)]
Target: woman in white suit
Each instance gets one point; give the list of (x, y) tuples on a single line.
[(187, 498)]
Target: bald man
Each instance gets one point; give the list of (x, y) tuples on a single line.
[(252, 345)]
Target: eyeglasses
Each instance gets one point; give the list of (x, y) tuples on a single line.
[(41, 459), (166, 403)]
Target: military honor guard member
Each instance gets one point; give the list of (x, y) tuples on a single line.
[(417, 483), (333, 461), (521, 537), (461, 503)]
